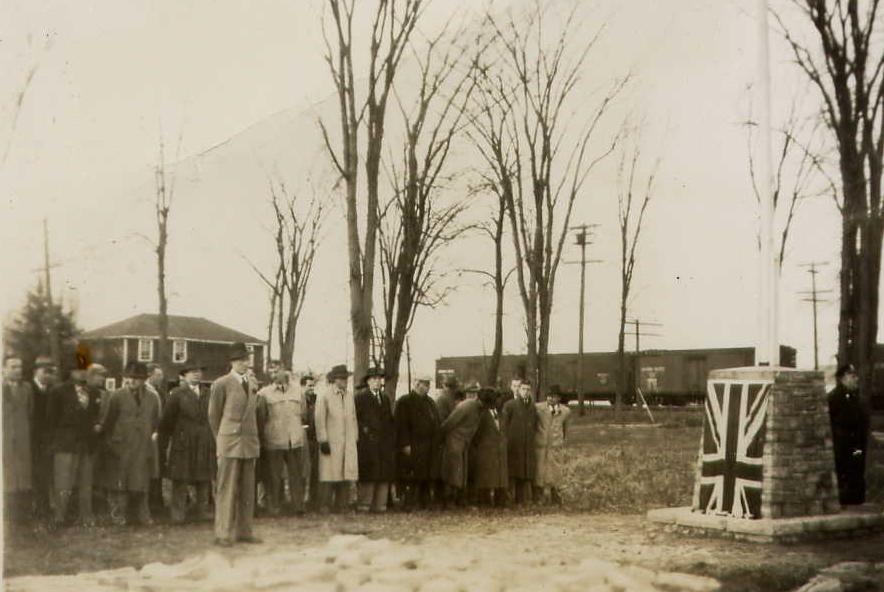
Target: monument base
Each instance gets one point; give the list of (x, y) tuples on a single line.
[(859, 521)]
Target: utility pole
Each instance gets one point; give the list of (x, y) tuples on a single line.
[(54, 347), (581, 241), (637, 332), (814, 300)]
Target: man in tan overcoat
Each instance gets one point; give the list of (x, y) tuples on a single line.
[(337, 433), (232, 416)]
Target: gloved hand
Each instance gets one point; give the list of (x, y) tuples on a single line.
[(324, 448)]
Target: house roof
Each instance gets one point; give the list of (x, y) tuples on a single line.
[(194, 328)]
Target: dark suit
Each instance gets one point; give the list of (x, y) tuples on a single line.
[(232, 416), (850, 428), (41, 454), (376, 448), (417, 427)]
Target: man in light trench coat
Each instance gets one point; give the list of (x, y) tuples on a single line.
[(336, 432)]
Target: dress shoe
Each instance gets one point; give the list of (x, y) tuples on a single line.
[(253, 540)]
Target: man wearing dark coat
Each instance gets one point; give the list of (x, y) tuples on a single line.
[(376, 446), (130, 429), (519, 417), (488, 453), (96, 375), (233, 418), (508, 395), (418, 444), (191, 460), (308, 387), (73, 424), (850, 427), (18, 408), (42, 383)]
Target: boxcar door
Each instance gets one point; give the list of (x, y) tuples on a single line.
[(695, 376)]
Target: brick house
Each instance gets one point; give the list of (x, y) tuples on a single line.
[(192, 339)]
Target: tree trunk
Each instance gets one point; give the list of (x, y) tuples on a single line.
[(869, 263), (621, 362), (163, 356)]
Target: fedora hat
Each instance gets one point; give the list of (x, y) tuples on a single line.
[(238, 351), (339, 371), (374, 372), (135, 370), (473, 387)]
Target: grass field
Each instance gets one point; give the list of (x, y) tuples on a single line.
[(615, 473)]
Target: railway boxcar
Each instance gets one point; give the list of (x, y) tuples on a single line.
[(671, 377)]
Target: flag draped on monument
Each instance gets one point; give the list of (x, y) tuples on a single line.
[(733, 448)]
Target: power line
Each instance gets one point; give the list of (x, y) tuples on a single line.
[(814, 300)]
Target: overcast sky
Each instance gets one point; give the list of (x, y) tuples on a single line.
[(242, 83)]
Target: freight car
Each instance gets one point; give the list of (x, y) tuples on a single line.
[(666, 377)]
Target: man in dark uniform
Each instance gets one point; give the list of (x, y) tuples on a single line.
[(418, 444), (850, 427)]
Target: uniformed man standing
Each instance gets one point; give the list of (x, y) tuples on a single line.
[(850, 426)]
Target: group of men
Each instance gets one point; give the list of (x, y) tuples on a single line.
[(226, 445)]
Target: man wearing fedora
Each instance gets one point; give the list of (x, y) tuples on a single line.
[(418, 441), (337, 434), (232, 417), (377, 443), (191, 460), (129, 426)]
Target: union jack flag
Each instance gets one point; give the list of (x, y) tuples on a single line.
[(733, 445)]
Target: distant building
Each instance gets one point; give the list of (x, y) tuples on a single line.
[(191, 339)]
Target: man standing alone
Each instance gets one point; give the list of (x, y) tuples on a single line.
[(232, 416), (850, 428)]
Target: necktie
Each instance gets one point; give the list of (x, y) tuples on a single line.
[(138, 397), (245, 385)]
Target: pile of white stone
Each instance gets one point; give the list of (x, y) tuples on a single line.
[(355, 562)]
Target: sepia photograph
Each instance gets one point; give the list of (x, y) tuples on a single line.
[(442, 295)]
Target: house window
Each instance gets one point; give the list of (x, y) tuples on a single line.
[(145, 350), (251, 350), (179, 351), (110, 384)]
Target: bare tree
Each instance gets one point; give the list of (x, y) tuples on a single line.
[(418, 222), (546, 152), (392, 25), (164, 192), (843, 57), (633, 197), (296, 237), (799, 172)]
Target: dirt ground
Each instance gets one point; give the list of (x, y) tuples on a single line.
[(567, 538)]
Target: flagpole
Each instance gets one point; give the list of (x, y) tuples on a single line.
[(767, 351)]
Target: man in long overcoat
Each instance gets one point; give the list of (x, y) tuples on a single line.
[(191, 461), (552, 427), (418, 444), (129, 428), (156, 383), (18, 407), (337, 432), (45, 379), (233, 419), (377, 443), (850, 428), (72, 419), (488, 453), (458, 431), (520, 425)]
